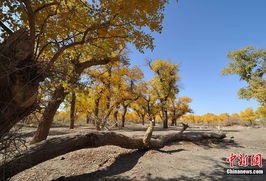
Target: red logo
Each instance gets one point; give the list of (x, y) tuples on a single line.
[(243, 160), (231, 159), (256, 160)]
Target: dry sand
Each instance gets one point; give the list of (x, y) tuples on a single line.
[(179, 161)]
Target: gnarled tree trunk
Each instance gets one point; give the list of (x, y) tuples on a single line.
[(58, 146), (19, 79), (58, 97), (48, 115)]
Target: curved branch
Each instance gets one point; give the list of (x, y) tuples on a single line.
[(32, 25), (54, 147)]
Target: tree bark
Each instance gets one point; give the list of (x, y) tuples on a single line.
[(115, 114), (165, 119), (97, 104), (58, 97), (123, 119), (72, 110), (19, 79), (174, 122), (58, 146), (20, 75), (153, 120), (96, 114), (48, 115), (143, 120), (88, 118)]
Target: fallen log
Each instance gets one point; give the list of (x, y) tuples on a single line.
[(54, 147)]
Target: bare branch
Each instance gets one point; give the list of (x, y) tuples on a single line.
[(41, 32), (58, 146), (148, 134), (83, 41)]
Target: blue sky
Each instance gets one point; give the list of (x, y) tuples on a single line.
[(197, 35)]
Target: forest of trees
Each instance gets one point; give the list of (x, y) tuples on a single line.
[(54, 43), (115, 91), (55, 51), (69, 59)]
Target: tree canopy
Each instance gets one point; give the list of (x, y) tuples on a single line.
[(250, 64)]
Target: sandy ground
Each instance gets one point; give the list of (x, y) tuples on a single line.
[(179, 161)]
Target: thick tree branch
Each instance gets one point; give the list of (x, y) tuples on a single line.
[(81, 42), (148, 134), (54, 147), (41, 33), (31, 19), (82, 66), (61, 50)]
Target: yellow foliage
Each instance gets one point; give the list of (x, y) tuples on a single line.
[(261, 112), (62, 116), (248, 115), (235, 115), (133, 117)]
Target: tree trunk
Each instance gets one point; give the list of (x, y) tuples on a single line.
[(154, 121), (96, 114), (251, 123), (20, 76), (72, 110), (19, 80), (164, 114), (48, 115), (116, 118), (174, 122), (124, 116), (58, 97), (96, 110), (58, 146), (142, 116), (143, 120), (89, 119), (165, 119)]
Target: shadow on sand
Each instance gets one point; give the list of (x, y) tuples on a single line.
[(218, 174), (123, 163), (126, 162)]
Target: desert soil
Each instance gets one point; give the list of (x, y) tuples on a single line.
[(178, 161)]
